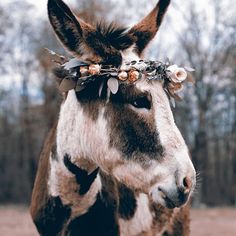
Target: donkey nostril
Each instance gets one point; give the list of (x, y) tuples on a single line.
[(187, 184)]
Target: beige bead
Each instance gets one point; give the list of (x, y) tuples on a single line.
[(123, 76), (94, 69)]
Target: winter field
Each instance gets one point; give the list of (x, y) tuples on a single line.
[(15, 221)]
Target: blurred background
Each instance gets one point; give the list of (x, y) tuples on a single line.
[(200, 34)]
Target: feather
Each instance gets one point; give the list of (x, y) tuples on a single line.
[(113, 85)]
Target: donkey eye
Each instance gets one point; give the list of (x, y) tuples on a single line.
[(141, 102)]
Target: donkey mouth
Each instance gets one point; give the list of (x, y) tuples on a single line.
[(169, 203), (174, 199), (173, 204)]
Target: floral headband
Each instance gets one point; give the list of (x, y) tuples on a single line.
[(78, 74)]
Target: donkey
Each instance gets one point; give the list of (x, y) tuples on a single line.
[(114, 164)]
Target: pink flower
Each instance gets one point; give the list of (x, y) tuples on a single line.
[(94, 69)]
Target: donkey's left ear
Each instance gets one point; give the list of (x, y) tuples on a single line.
[(145, 30)]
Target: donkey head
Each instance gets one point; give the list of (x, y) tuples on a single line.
[(130, 135)]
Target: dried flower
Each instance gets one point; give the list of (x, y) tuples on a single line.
[(174, 87), (84, 71), (133, 75), (123, 76), (94, 69), (177, 74)]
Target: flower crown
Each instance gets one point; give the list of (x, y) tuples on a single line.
[(77, 74)]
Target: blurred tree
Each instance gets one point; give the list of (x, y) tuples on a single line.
[(208, 45)]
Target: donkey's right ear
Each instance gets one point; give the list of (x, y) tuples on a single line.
[(66, 26)]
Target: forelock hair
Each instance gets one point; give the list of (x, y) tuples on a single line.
[(115, 35)]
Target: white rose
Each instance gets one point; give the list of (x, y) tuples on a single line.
[(94, 69), (177, 74)]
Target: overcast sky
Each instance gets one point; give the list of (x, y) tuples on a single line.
[(42, 4)]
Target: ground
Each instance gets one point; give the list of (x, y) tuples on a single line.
[(15, 221)]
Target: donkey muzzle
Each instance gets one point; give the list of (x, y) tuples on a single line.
[(174, 198), (175, 194), (178, 195)]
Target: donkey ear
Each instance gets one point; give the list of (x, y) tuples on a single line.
[(145, 30), (66, 26)]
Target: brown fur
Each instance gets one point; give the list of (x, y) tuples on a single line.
[(172, 222), (145, 30), (40, 190)]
